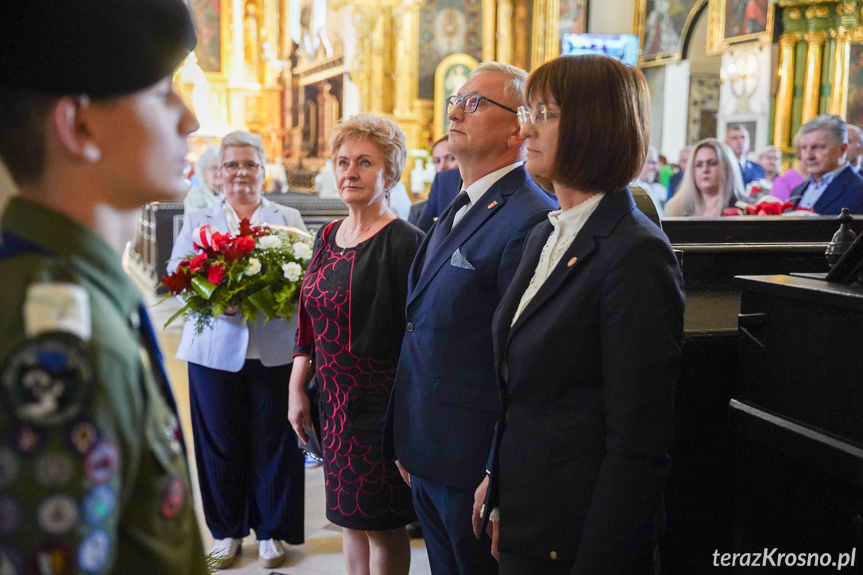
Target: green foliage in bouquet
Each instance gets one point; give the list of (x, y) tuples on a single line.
[(260, 270)]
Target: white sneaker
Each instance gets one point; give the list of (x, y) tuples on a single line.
[(271, 553), (225, 552)]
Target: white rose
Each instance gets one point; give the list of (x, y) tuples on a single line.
[(302, 251), (292, 271), (270, 242), (254, 266)]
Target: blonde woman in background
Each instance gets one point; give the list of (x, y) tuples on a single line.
[(711, 182)]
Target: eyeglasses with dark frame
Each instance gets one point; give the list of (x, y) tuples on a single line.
[(470, 102), (538, 116), (234, 167)]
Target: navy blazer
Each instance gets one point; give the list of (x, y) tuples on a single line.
[(587, 377), (444, 404), (845, 191), (751, 171), (444, 188)]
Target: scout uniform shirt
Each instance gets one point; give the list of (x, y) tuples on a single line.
[(93, 476)]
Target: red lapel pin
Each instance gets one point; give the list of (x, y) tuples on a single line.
[(571, 262), (493, 204)]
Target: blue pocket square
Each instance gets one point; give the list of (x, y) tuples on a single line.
[(458, 260)]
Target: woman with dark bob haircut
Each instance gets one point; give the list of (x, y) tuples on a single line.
[(587, 340)]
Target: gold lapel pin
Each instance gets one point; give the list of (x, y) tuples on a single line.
[(571, 262), (493, 204)]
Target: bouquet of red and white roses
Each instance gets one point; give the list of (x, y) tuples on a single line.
[(259, 270)]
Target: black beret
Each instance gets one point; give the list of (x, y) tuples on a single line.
[(101, 48)]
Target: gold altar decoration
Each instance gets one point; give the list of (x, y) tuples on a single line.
[(662, 26), (451, 74), (726, 28), (815, 60), (233, 79)]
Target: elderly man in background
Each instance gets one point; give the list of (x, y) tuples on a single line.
[(442, 411), (737, 138), (833, 184), (677, 176), (646, 180), (205, 192)]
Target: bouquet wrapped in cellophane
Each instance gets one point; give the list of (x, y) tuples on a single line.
[(260, 269)]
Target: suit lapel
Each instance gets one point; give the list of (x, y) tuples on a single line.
[(601, 223), (828, 198), (216, 218), (512, 298), (489, 203), (270, 214)]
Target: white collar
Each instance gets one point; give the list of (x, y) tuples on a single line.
[(476, 190)]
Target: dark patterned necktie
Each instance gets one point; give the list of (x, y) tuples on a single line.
[(444, 225)]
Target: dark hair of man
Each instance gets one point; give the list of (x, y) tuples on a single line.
[(444, 139), (22, 132), (604, 127), (736, 127)]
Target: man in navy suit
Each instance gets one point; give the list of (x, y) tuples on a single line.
[(445, 400), (737, 138), (833, 184), (445, 186)]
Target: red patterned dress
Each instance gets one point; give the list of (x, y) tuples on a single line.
[(363, 491)]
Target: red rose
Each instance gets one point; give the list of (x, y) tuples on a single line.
[(220, 240), (216, 274), (197, 262), (178, 281), (244, 244), (245, 227)]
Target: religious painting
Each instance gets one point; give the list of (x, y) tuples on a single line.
[(208, 21), (447, 27), (733, 22), (661, 25), (855, 85), (573, 17), (450, 76)]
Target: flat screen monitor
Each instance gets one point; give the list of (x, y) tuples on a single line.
[(624, 47)]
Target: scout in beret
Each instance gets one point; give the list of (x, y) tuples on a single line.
[(93, 475)]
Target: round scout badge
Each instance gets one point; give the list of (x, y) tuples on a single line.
[(47, 380)]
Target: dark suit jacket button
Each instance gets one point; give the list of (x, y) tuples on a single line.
[(410, 326), (553, 555)]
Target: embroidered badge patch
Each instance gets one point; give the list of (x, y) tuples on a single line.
[(47, 380), (94, 551), (98, 505), (57, 514), (84, 436), (57, 306), (53, 469), (101, 463), (27, 440), (52, 559), (173, 498), (11, 561)]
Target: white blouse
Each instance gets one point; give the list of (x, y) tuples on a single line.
[(566, 224)]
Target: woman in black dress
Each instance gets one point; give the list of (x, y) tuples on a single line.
[(352, 311)]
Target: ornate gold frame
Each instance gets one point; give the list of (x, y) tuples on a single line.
[(716, 40), (661, 57), (439, 94)]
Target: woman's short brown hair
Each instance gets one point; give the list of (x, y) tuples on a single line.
[(604, 127), (384, 133)]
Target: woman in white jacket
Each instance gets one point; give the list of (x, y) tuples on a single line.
[(249, 466)]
